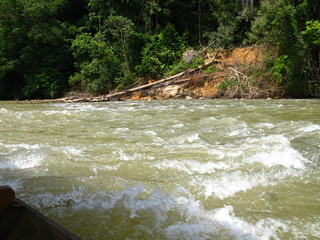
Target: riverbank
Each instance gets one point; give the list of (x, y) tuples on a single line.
[(233, 73)]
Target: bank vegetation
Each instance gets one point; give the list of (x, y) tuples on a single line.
[(151, 49)]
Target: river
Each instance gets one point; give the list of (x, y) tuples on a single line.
[(172, 169)]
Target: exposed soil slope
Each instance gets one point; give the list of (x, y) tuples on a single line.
[(219, 66)]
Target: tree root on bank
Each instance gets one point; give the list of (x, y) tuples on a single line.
[(245, 89)]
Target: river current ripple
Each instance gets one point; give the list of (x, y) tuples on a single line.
[(175, 169)]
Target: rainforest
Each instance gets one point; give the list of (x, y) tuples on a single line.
[(55, 48)]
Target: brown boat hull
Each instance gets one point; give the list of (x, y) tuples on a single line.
[(19, 221)]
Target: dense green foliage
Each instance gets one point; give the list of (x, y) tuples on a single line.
[(282, 23), (49, 47)]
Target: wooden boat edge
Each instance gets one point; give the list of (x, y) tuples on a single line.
[(18, 220)]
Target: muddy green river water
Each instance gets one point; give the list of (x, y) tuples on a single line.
[(175, 169)]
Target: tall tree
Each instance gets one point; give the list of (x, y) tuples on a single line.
[(34, 41), (276, 24), (121, 29), (12, 37), (97, 65)]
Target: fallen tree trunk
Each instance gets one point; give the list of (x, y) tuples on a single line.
[(157, 84), (172, 79), (149, 85), (188, 79)]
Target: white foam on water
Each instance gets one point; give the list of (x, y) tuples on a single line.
[(233, 153), (15, 184), (265, 125), (151, 133), (4, 111), (94, 170), (178, 125), (238, 228), (172, 164), (239, 132), (29, 160), (127, 196), (21, 145), (72, 151), (276, 150), (84, 107), (208, 120), (218, 154), (22, 156), (154, 136), (111, 168), (126, 157), (6, 164), (311, 229), (189, 138), (267, 228), (56, 112), (154, 203), (20, 115), (191, 166), (51, 200), (196, 231), (177, 215), (309, 128), (286, 157), (226, 184), (264, 229), (219, 223), (239, 129), (182, 107), (197, 223), (121, 130)]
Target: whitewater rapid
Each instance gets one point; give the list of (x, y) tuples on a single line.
[(176, 169)]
